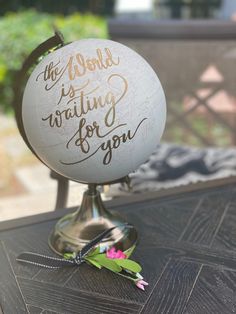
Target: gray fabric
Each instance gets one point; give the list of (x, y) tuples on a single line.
[(173, 165)]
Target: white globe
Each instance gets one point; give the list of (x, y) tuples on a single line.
[(93, 110)]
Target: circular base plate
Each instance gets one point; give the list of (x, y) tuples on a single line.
[(70, 235)]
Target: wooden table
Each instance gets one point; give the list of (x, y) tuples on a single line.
[(187, 249)]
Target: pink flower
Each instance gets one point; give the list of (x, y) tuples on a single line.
[(112, 253), (141, 283)]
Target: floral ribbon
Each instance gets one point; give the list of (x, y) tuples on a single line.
[(114, 260)]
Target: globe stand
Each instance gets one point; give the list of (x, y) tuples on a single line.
[(75, 230)]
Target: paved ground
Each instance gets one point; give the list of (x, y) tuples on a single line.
[(25, 185)]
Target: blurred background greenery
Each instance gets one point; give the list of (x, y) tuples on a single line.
[(21, 32)]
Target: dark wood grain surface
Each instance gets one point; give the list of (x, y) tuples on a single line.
[(187, 248)]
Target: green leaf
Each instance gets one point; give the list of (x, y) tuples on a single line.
[(69, 255), (94, 252), (129, 251), (93, 262), (107, 263), (128, 264)]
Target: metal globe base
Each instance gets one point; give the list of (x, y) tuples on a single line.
[(74, 231)]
